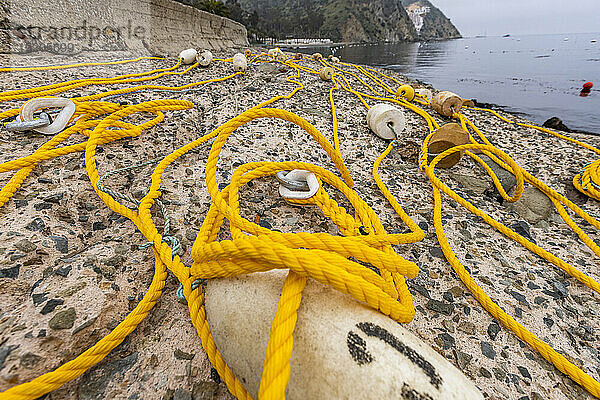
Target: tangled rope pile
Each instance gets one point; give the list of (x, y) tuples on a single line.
[(327, 258)]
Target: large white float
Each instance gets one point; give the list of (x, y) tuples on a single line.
[(342, 349)]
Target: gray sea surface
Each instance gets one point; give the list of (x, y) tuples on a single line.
[(539, 76)]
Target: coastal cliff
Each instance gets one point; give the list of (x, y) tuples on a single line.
[(429, 21), (367, 21), (348, 20)]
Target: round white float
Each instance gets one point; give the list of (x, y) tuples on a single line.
[(381, 116), (188, 56), (239, 62), (204, 59), (342, 349)]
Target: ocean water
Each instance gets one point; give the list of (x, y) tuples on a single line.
[(539, 76)]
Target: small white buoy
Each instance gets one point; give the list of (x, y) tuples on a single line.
[(276, 52), (342, 349), (424, 93), (188, 56), (240, 63), (446, 103), (317, 56), (386, 121), (204, 59), (335, 59)]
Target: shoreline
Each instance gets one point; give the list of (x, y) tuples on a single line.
[(86, 258), (522, 93)]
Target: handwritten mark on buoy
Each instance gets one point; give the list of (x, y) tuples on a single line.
[(357, 347), (411, 394)]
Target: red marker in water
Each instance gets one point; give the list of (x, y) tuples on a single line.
[(587, 87)]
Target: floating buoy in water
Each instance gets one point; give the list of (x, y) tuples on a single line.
[(342, 349), (326, 73), (248, 53), (204, 59), (587, 88), (468, 103), (424, 93), (240, 63), (446, 103), (188, 56), (406, 91), (386, 121), (446, 137), (317, 56), (298, 56), (335, 59)]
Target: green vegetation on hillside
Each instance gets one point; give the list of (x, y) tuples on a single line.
[(338, 20)]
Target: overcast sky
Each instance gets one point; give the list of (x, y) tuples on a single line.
[(498, 17)]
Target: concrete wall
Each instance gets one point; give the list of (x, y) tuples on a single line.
[(162, 27)]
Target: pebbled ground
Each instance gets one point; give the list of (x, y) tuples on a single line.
[(70, 269)]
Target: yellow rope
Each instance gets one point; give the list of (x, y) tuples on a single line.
[(47, 90), (252, 248), (591, 174), (78, 65), (587, 181)]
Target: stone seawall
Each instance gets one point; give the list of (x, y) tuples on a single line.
[(161, 27)]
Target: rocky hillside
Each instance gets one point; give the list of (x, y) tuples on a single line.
[(350, 20), (366, 21), (429, 21)]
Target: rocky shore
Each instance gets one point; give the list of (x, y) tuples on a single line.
[(71, 269)]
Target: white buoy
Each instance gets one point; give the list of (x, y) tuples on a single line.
[(204, 59), (335, 59), (188, 56), (276, 52), (424, 93), (240, 63), (386, 121), (342, 349)]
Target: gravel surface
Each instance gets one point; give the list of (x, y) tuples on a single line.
[(70, 269)]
